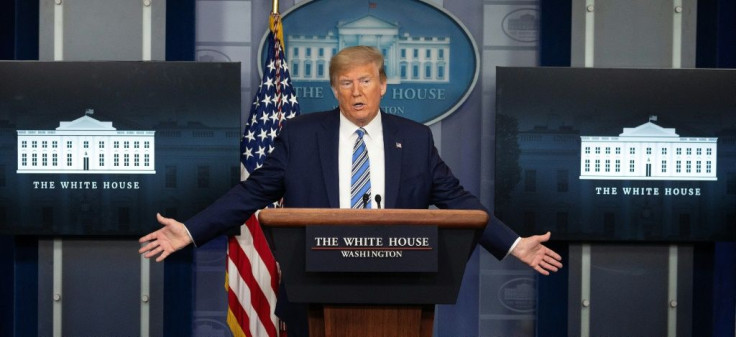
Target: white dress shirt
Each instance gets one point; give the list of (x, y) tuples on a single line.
[(373, 140)]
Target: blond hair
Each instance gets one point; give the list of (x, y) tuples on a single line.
[(355, 56)]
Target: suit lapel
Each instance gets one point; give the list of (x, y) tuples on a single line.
[(327, 140), (392, 154)]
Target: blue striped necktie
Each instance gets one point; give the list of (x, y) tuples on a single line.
[(360, 180)]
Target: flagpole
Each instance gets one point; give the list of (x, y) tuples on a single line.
[(275, 23)]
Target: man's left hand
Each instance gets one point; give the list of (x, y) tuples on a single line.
[(531, 251)]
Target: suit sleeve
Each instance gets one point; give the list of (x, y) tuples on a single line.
[(447, 193), (262, 188)]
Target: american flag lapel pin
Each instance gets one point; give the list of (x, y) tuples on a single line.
[(398, 145)]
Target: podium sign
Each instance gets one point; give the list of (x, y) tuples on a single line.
[(380, 249)]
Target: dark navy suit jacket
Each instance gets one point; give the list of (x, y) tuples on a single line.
[(303, 170)]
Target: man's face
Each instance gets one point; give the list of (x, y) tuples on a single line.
[(358, 91)]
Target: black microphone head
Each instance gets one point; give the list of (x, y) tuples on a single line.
[(378, 198), (366, 198)]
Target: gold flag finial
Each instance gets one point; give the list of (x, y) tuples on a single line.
[(275, 7)]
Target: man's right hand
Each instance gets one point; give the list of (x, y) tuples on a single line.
[(170, 238)]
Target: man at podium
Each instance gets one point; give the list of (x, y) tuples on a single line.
[(355, 156)]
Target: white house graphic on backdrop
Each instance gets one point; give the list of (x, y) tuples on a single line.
[(648, 152), (407, 58), (87, 146)]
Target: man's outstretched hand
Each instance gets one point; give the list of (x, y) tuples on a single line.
[(531, 251), (170, 238)]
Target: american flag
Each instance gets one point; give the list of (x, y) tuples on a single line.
[(252, 275)]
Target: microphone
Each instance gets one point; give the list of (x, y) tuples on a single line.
[(366, 199), (378, 201)]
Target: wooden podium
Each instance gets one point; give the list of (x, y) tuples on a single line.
[(372, 304)]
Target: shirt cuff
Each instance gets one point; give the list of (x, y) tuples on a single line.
[(195, 243), (510, 249)]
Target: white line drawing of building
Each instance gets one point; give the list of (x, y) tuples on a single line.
[(86, 146), (407, 59), (648, 152)]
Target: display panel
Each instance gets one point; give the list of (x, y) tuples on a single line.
[(617, 154), (98, 148)]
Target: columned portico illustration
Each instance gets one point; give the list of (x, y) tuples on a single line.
[(408, 58), (88, 146), (648, 152)]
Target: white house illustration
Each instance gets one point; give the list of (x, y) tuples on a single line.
[(87, 146), (648, 152), (407, 58)]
